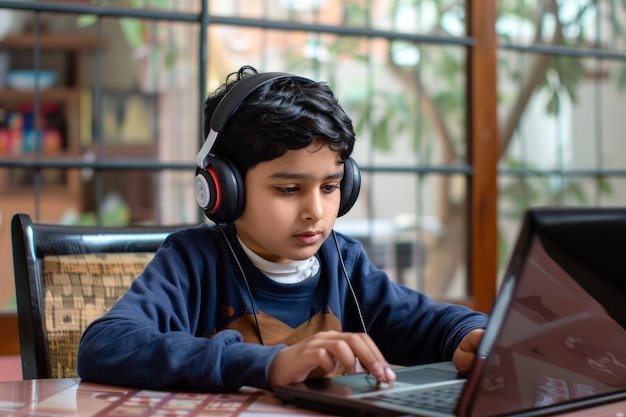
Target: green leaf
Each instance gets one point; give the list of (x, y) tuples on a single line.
[(570, 72), (447, 101), (85, 20), (161, 4), (553, 103), (449, 65), (381, 137), (604, 186), (133, 31)]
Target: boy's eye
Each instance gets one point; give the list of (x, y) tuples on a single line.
[(328, 188), (287, 190)]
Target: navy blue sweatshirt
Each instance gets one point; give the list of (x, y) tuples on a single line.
[(187, 321)]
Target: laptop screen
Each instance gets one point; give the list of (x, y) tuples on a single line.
[(561, 335)]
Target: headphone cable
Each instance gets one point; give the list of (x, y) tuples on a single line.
[(345, 275), (245, 280)]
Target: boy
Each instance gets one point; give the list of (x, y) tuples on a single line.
[(270, 295)]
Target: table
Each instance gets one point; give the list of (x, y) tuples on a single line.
[(72, 398), (69, 397)]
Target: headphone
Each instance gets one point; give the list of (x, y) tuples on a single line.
[(219, 187)]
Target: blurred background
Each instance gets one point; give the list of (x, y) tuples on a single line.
[(467, 113)]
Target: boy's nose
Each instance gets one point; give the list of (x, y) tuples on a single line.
[(314, 207)]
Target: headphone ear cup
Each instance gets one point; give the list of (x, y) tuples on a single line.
[(205, 189), (350, 186), (219, 190)]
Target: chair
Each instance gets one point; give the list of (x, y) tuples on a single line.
[(65, 277)]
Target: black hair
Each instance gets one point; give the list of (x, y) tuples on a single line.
[(285, 114)]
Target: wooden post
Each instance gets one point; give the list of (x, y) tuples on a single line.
[(483, 152)]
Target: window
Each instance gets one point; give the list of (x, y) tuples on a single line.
[(129, 103), (561, 73)]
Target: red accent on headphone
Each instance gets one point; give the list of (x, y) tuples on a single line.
[(218, 189)]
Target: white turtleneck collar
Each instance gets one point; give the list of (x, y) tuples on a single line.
[(284, 273)]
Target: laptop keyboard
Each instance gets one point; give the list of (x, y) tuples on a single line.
[(442, 398)]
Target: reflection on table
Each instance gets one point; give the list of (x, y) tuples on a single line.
[(73, 397)]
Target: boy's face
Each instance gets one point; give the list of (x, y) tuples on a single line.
[(291, 203)]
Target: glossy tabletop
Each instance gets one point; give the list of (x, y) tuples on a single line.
[(73, 397)]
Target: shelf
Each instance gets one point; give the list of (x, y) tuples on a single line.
[(119, 149), (61, 42), (53, 94), (46, 191), (63, 188), (56, 182), (66, 160), (30, 160)]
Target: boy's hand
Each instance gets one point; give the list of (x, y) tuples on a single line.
[(466, 351), (326, 352)]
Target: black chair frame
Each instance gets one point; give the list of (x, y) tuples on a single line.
[(31, 242)]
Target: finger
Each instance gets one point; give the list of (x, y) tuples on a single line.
[(475, 337), (299, 362), (342, 353), (328, 362), (369, 356), (388, 374), (373, 348), (344, 348), (462, 360)]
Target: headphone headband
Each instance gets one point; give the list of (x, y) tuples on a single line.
[(244, 87), (230, 103)]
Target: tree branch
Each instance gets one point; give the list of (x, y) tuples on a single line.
[(533, 80)]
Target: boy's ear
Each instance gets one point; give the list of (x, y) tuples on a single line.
[(350, 186), (219, 190)]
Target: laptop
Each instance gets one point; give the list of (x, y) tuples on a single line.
[(555, 340)]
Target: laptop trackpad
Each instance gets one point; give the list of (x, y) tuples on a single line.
[(357, 384)]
